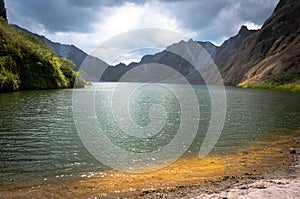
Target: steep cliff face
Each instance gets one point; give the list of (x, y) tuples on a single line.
[(2, 10), (273, 50), (269, 57), (231, 46)]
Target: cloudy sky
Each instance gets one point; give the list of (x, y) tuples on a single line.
[(88, 23)]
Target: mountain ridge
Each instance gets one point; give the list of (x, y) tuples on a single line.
[(272, 50), (63, 50), (267, 56), (217, 53), (89, 66)]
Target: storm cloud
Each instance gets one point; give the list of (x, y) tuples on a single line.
[(87, 23), (55, 16)]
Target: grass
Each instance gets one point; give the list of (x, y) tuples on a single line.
[(286, 81), (285, 87)]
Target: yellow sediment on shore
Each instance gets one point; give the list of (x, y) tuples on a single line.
[(258, 157)]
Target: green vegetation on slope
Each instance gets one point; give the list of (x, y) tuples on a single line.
[(289, 81), (27, 63)]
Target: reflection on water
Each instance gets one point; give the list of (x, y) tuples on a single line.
[(39, 142)]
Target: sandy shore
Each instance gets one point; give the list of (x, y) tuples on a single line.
[(283, 183), (265, 169)]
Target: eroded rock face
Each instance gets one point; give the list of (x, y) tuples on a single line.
[(2, 10), (250, 56), (274, 49), (231, 46)]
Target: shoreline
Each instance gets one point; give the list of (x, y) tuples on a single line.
[(187, 178), (281, 183)]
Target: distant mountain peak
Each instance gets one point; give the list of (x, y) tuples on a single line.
[(243, 29), (272, 50)]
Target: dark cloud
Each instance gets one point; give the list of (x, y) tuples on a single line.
[(212, 20), (78, 15), (83, 3), (60, 15), (256, 11), (196, 14), (199, 14), (91, 3), (215, 20)]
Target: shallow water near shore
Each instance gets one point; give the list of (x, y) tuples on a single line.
[(258, 157), (40, 145)]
